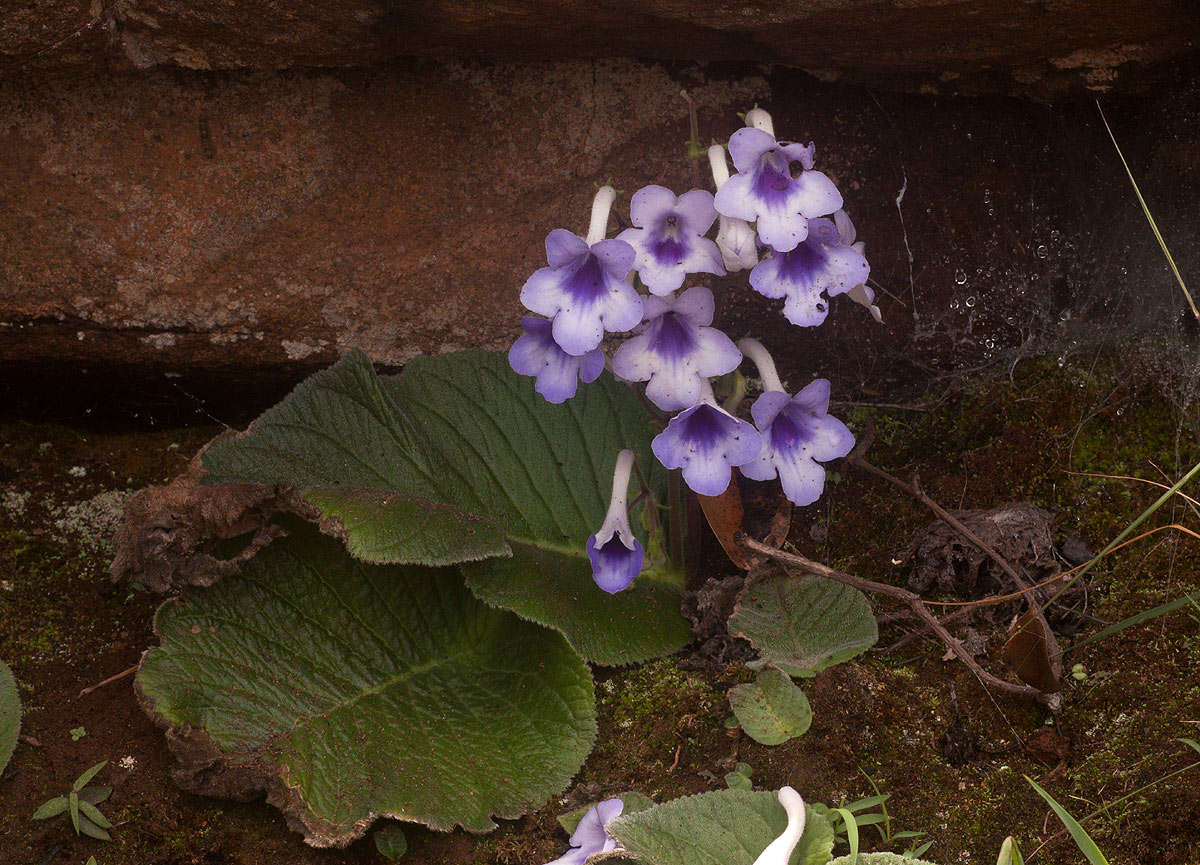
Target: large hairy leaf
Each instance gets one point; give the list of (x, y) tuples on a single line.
[(771, 709), (877, 859), (728, 827), (10, 715), (459, 460), (348, 691), (802, 623)]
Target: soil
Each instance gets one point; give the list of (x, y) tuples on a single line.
[(950, 755)]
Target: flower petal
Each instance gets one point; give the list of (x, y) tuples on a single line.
[(695, 209), (650, 204), (802, 479), (816, 195), (747, 146), (564, 247), (736, 198), (614, 567)]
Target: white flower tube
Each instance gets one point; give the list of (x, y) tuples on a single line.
[(735, 237), (779, 851)]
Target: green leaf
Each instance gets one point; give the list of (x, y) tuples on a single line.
[(632, 801), (358, 690), (338, 429), (87, 809), (390, 841), (90, 829), (556, 588), (728, 827), (802, 623), (54, 807), (1082, 840), (386, 527), (459, 460), (91, 860), (771, 709), (94, 795), (73, 807), (851, 832), (83, 779), (877, 859), (738, 781), (1009, 853), (10, 715)]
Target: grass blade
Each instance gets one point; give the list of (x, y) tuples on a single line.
[(851, 830), (1082, 839), (1149, 217)]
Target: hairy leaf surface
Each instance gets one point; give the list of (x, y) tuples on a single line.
[(348, 691)]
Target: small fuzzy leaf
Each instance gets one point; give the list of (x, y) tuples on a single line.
[(90, 829), (771, 709), (728, 827), (390, 841), (802, 623), (82, 780), (738, 781), (87, 809), (54, 807), (632, 801), (10, 715)]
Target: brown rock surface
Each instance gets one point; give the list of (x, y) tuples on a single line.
[(1046, 41), (176, 221)]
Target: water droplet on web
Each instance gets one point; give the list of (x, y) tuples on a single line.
[(971, 300), (1041, 251), (1056, 235), (954, 304), (1062, 361), (1120, 411), (960, 276)]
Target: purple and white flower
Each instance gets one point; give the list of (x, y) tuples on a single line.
[(558, 373), (707, 442), (765, 190), (616, 555), (590, 836), (585, 290), (819, 263), (676, 350), (797, 431), (736, 238), (862, 294), (669, 237)]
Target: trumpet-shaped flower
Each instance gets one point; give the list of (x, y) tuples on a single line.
[(779, 851), (707, 443), (862, 294), (764, 189), (590, 836), (797, 431), (736, 238), (819, 263), (676, 350), (669, 237), (558, 373), (615, 554), (585, 290)]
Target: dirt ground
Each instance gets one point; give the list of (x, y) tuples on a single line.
[(950, 754)]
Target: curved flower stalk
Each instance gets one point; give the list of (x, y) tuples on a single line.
[(585, 290), (736, 238), (765, 190), (669, 238), (615, 554), (590, 836), (819, 263), (779, 851), (862, 294), (707, 443), (796, 432), (557, 373), (677, 350)]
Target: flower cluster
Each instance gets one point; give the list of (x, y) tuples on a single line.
[(778, 218)]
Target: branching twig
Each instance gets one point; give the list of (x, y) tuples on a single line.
[(913, 600), (856, 458)]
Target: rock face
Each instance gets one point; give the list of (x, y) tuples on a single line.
[(1044, 41), (274, 218)]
